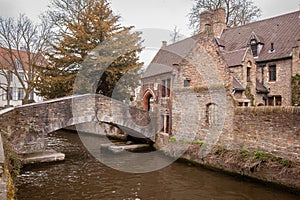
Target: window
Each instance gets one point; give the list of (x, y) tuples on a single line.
[(278, 101), (31, 95), (20, 94), (211, 114), (275, 101), (253, 45), (21, 74), (187, 83), (148, 100), (10, 76), (272, 73), (248, 74), (165, 89), (4, 95), (14, 94), (166, 123), (19, 65)]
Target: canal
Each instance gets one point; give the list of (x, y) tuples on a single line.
[(81, 176)]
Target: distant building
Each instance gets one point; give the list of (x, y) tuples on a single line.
[(257, 62), (7, 73)]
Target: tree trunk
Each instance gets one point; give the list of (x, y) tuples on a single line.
[(8, 95), (26, 98)]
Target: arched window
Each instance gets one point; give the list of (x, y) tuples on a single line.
[(148, 100), (249, 66), (211, 114)]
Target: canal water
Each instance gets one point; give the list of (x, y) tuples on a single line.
[(81, 176)]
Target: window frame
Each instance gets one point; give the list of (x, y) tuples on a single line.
[(165, 88), (272, 73), (4, 95), (254, 47), (248, 75), (14, 94), (20, 94)]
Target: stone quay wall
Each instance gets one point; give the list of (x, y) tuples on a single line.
[(274, 130)]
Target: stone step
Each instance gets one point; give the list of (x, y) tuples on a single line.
[(42, 157), (133, 147)]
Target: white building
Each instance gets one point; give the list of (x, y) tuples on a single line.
[(8, 69)]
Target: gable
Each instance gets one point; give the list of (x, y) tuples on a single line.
[(235, 58)]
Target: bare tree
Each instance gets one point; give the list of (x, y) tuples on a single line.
[(175, 35), (22, 45), (5, 82), (238, 12)]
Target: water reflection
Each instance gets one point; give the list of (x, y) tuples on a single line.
[(81, 176)]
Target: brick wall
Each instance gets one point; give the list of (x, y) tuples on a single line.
[(274, 130), (282, 85)]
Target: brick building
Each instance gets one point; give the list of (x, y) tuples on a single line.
[(264, 56), (249, 65)]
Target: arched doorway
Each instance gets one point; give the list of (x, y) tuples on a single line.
[(148, 100)]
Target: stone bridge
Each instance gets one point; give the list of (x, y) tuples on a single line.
[(26, 127)]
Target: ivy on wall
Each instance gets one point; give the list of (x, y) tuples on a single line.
[(296, 89), (249, 95)]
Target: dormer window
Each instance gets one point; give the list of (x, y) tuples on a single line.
[(253, 44)]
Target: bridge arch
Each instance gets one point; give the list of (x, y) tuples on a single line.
[(28, 125)]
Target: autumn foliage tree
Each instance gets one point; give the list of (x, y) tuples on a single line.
[(82, 26), (238, 12)]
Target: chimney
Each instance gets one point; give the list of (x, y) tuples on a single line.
[(219, 21), (206, 21), (213, 22), (164, 44)]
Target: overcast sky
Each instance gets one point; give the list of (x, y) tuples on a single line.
[(152, 16), (163, 14)]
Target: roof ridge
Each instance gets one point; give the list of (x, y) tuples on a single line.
[(259, 21), (175, 43)]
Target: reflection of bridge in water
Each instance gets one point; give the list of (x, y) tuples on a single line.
[(26, 127)]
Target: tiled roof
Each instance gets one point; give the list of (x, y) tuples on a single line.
[(6, 62), (236, 84), (283, 31), (235, 58), (168, 56), (156, 69), (260, 87)]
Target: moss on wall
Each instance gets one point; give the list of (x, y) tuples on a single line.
[(249, 95), (296, 89)]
